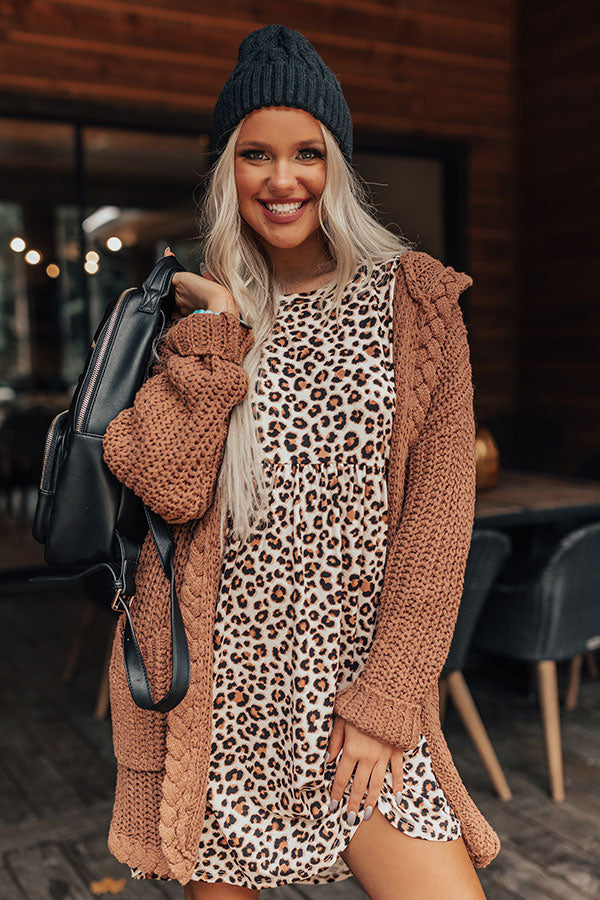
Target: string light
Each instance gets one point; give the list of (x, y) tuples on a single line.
[(114, 243), (52, 270), (90, 267), (33, 257), (17, 244)]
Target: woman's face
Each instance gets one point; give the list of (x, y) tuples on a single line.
[(280, 158)]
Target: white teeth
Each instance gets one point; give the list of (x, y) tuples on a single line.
[(283, 207)]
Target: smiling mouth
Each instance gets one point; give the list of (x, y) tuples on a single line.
[(287, 212)]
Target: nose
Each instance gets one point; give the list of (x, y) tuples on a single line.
[(281, 178)]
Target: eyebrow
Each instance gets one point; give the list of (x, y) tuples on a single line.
[(269, 147)]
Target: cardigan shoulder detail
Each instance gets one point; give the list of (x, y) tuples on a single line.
[(435, 290), (436, 286)]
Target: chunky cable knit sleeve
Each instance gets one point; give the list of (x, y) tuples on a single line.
[(427, 554), (167, 447)]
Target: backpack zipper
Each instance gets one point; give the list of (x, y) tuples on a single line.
[(49, 437), (110, 326)]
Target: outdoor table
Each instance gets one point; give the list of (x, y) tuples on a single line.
[(529, 498), (536, 510)]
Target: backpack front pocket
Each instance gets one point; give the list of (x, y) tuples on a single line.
[(52, 455)]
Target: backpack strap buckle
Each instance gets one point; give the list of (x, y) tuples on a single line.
[(120, 602)]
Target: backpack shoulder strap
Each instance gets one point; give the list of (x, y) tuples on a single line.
[(134, 663)]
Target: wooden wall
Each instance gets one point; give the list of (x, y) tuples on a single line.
[(437, 68), (559, 191)]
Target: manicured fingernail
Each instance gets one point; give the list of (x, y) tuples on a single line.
[(399, 797), (351, 817), (334, 804), (368, 813)]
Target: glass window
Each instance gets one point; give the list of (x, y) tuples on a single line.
[(83, 217), (84, 214)]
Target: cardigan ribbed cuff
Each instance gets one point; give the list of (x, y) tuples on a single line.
[(389, 719), (217, 335)]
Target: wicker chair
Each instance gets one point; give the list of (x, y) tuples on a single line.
[(552, 616), (487, 554)]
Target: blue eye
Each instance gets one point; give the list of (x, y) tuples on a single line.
[(249, 153)]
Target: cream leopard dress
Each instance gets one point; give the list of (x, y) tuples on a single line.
[(297, 605)]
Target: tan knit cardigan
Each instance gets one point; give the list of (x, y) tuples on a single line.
[(168, 447)]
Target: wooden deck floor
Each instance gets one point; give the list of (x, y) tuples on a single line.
[(57, 774)]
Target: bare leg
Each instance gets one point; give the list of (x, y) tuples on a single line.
[(200, 890), (390, 865)]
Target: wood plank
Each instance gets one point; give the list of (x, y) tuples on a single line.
[(564, 859), (494, 888), (565, 823), (9, 889), (55, 87), (73, 825), (348, 889), (387, 34), (518, 874), (44, 873), (15, 807), (93, 859), (495, 14), (562, 839), (363, 91), (91, 777), (36, 777)]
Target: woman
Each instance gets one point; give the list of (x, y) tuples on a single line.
[(309, 434)]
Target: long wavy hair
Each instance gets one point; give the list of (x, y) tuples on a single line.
[(353, 238)]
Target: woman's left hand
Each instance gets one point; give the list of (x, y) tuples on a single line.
[(191, 292), (370, 757)]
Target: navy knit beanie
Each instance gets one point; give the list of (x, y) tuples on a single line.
[(278, 66)]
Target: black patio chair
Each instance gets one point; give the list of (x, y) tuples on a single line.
[(487, 554), (554, 615)]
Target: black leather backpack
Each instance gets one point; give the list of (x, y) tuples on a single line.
[(87, 519)]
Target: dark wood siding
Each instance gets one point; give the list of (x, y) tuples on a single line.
[(559, 189)]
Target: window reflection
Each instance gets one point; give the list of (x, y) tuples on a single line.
[(84, 213), (90, 222)]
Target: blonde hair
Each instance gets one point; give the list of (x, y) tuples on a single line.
[(353, 237)]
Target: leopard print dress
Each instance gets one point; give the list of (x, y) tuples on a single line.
[(297, 604)]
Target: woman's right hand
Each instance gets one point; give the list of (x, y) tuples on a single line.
[(192, 292)]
